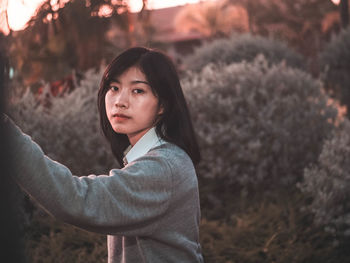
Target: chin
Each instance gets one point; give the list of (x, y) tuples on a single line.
[(119, 130)]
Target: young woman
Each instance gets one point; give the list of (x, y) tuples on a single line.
[(150, 208)]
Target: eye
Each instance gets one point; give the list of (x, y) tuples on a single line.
[(138, 91), (113, 88)]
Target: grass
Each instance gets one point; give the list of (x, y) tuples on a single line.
[(49, 240), (273, 227), (251, 228)]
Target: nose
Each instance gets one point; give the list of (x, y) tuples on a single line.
[(122, 99)]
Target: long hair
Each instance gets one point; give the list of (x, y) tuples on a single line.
[(175, 125)]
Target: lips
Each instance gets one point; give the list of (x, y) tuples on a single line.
[(120, 117)]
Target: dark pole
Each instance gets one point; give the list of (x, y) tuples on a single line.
[(344, 13), (11, 243)]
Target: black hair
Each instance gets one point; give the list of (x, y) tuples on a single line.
[(175, 125)]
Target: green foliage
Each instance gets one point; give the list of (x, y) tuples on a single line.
[(268, 228), (257, 125), (328, 183), (51, 241), (74, 38), (68, 130), (336, 55), (240, 48), (298, 22), (335, 64), (255, 228)]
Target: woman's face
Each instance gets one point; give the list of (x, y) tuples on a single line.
[(131, 106)]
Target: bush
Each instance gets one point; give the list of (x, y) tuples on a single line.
[(328, 183), (335, 64), (53, 241), (260, 229), (240, 48), (269, 229), (69, 130), (257, 124)]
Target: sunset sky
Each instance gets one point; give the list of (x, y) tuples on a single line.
[(20, 11)]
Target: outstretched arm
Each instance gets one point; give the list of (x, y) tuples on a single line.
[(128, 201)]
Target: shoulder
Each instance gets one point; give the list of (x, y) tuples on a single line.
[(175, 157), (171, 152), (164, 160)]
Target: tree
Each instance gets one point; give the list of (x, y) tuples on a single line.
[(299, 22), (66, 36), (344, 13), (212, 19)]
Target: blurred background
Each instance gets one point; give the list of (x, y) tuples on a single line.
[(268, 87)]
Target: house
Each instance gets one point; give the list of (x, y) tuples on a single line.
[(156, 28)]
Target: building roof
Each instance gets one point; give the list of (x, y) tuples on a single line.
[(163, 21)]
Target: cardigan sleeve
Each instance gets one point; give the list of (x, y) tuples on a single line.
[(128, 201)]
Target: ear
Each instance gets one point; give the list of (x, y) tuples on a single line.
[(160, 110)]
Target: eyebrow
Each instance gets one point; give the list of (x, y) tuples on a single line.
[(132, 82)]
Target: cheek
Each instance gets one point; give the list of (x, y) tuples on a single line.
[(153, 110), (107, 103), (146, 108)]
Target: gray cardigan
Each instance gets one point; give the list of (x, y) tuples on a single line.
[(149, 209)]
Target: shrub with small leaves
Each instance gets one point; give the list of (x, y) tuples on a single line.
[(257, 125), (335, 64), (53, 241), (328, 183), (240, 48), (69, 130)]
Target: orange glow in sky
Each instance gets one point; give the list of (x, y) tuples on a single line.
[(20, 11)]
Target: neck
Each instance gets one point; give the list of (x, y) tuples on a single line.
[(133, 138)]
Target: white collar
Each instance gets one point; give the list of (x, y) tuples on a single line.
[(148, 141)]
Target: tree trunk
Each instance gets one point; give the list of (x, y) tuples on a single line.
[(344, 13)]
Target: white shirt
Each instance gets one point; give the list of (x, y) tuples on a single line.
[(148, 141)]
